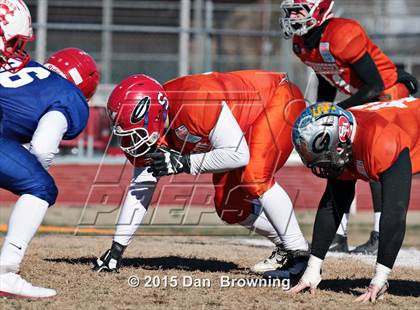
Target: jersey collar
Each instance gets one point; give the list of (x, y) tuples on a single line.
[(312, 39)]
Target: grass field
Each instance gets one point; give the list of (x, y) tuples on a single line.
[(64, 262)]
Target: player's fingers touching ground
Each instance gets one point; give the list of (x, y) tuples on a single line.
[(300, 287)]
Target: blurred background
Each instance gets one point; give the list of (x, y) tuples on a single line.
[(166, 39)]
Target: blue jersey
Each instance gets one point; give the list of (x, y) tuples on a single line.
[(27, 95)]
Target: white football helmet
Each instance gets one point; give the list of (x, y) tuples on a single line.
[(300, 16), (15, 32)]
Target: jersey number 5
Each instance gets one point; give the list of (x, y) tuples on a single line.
[(22, 77)]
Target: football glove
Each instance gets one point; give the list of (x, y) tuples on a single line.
[(110, 261), (167, 162)]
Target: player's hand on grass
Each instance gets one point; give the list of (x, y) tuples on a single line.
[(164, 162), (301, 287), (309, 280), (372, 294)]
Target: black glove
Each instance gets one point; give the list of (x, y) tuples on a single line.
[(408, 80), (167, 162)]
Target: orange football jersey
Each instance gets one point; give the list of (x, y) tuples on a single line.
[(344, 42), (383, 130), (195, 103)]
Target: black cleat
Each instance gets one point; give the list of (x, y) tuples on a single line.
[(339, 244), (370, 247), (293, 269), (110, 261)]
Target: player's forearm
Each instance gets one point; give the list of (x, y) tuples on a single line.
[(135, 206), (336, 201), (396, 186), (230, 149), (47, 137), (368, 73), (326, 92), (219, 160)]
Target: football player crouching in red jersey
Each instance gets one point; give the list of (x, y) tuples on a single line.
[(378, 141), (235, 125)]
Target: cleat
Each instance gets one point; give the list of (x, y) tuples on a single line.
[(293, 269), (13, 285), (339, 244), (110, 261), (276, 260), (370, 247)]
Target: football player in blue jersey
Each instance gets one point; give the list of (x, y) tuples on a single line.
[(40, 105)]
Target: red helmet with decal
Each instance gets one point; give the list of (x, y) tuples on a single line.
[(15, 32), (300, 16), (76, 66), (138, 108)]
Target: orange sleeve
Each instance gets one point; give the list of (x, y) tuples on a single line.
[(195, 102), (201, 112), (349, 42), (386, 149)]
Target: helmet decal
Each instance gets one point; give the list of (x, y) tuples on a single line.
[(344, 129), (140, 110), (321, 142), (6, 12)]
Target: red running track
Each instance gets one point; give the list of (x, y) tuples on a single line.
[(80, 184)]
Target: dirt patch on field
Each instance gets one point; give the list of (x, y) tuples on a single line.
[(64, 263)]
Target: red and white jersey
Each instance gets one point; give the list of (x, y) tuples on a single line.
[(344, 42), (383, 131)]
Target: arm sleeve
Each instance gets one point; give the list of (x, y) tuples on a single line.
[(47, 137), (135, 205), (230, 149), (367, 71), (336, 201), (396, 186), (326, 92)]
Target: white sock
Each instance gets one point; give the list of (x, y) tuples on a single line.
[(278, 208), (130, 218), (26, 217), (262, 226), (376, 220), (342, 229)]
